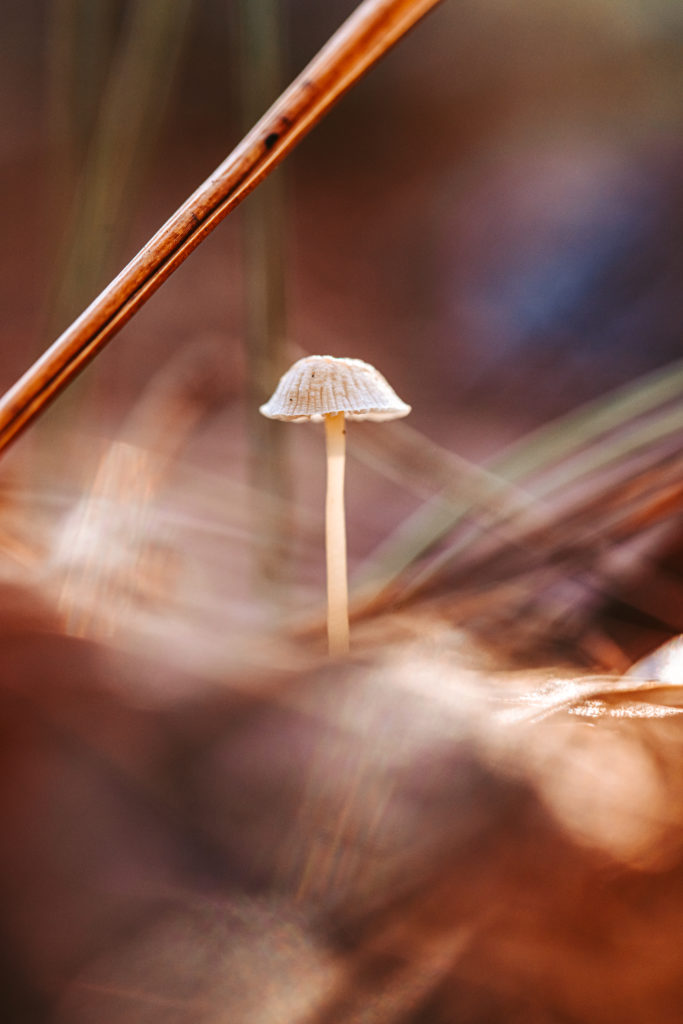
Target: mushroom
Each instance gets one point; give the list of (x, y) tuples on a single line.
[(326, 388)]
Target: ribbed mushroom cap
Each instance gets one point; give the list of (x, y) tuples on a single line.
[(319, 386)]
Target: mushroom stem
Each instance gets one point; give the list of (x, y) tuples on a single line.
[(335, 537)]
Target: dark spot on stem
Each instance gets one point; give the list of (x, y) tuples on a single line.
[(271, 139)]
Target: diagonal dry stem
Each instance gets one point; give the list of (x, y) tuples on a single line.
[(367, 34)]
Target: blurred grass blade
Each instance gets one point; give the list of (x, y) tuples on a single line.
[(548, 444)]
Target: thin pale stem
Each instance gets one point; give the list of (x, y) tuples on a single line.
[(335, 537)]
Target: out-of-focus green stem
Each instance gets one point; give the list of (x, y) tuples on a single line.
[(116, 113), (80, 45), (265, 306)]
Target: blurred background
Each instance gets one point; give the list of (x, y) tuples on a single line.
[(493, 218), (500, 192)]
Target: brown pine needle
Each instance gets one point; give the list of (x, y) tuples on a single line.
[(373, 28)]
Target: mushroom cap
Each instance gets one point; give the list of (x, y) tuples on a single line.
[(319, 386)]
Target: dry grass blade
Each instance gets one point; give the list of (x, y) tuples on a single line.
[(601, 437), (607, 514), (543, 581), (368, 34)]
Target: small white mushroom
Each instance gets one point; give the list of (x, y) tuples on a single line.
[(326, 388)]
